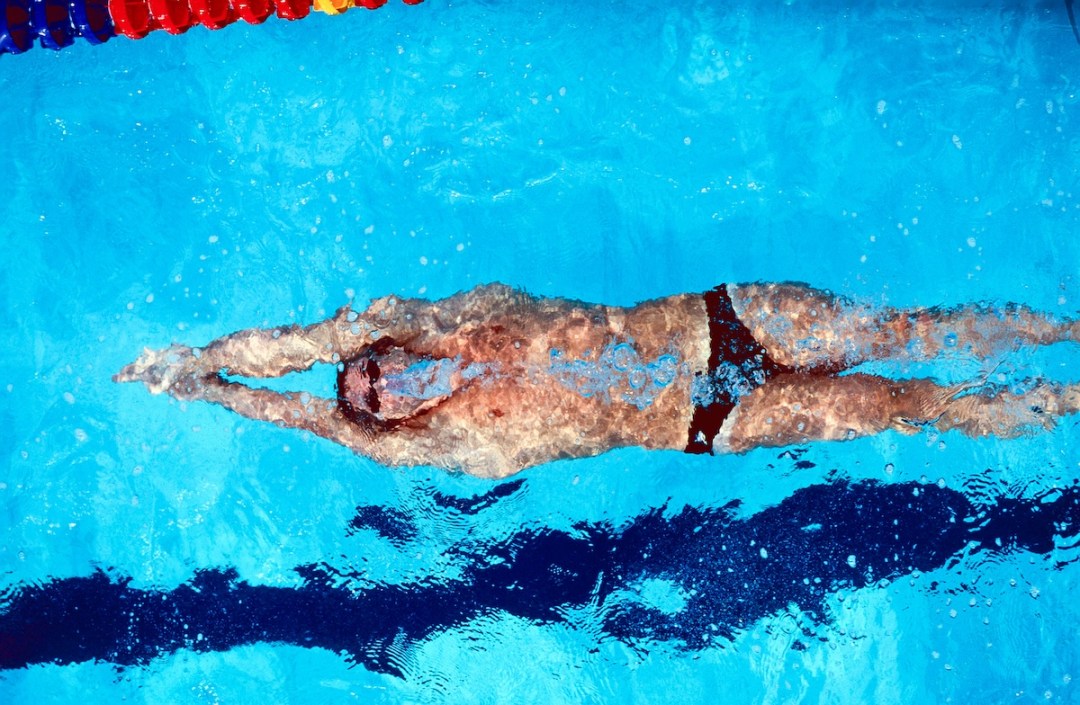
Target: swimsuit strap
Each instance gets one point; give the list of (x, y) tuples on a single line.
[(732, 343)]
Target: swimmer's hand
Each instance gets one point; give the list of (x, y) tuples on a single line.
[(174, 370)]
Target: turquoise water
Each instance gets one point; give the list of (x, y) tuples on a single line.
[(179, 188)]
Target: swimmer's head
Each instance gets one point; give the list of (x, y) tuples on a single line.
[(366, 388)]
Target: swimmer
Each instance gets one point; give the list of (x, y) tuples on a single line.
[(493, 380)]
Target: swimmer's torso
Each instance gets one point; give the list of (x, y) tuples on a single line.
[(530, 380)]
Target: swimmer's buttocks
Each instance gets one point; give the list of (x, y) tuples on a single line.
[(738, 364)]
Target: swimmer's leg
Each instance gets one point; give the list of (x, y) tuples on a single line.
[(813, 329), (794, 408)]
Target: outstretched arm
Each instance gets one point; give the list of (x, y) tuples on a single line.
[(178, 372), (290, 410), (489, 324), (255, 352), (192, 373), (417, 442), (425, 327), (273, 352)]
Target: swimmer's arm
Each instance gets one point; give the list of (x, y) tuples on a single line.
[(290, 410), (415, 324), (439, 329), (273, 352), (173, 372), (257, 352)]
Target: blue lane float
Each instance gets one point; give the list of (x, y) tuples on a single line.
[(51, 20), (16, 32), (92, 20)]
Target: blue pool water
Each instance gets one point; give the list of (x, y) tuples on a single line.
[(179, 188)]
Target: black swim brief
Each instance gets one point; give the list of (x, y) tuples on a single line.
[(738, 364)]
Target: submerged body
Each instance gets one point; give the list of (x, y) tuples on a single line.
[(492, 380)]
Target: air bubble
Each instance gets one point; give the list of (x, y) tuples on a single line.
[(663, 372), (623, 357)]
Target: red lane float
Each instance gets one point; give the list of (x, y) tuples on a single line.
[(132, 18), (293, 9), (173, 16), (254, 11), (213, 14)]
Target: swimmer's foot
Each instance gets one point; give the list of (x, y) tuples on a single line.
[(1070, 399), (1072, 331), (162, 370)]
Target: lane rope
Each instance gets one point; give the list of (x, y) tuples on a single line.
[(56, 24)]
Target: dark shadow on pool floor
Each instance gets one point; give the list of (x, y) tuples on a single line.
[(726, 573)]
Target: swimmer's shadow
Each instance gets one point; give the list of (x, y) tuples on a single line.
[(720, 573), (399, 527), (690, 579)]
